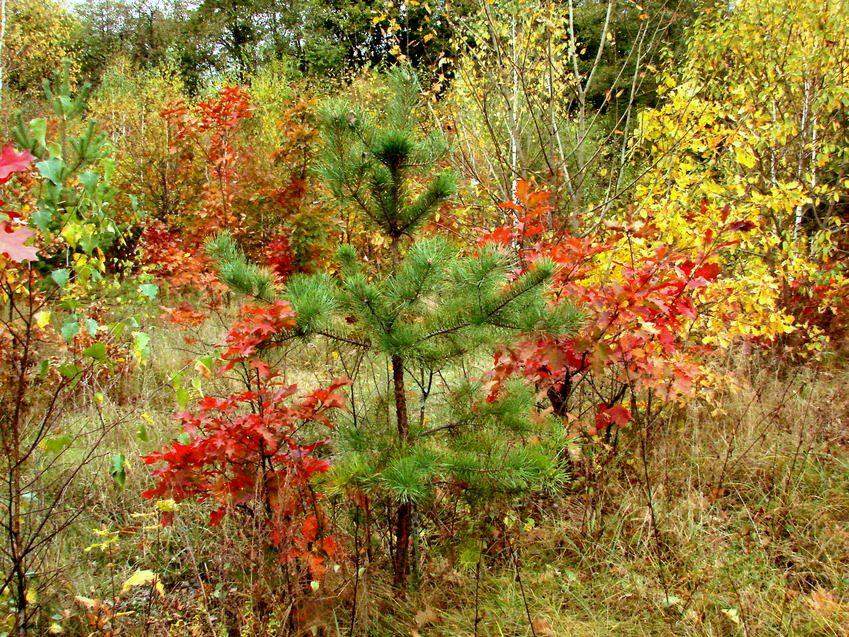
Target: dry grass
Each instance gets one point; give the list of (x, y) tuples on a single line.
[(752, 505), (751, 502)]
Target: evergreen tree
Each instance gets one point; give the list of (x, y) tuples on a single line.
[(426, 311)]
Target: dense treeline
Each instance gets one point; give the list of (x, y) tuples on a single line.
[(203, 41)]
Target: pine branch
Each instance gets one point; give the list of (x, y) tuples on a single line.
[(343, 339), (438, 191), (236, 271)]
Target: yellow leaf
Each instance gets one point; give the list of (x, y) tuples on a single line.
[(143, 578), (42, 318), (166, 506), (745, 157)]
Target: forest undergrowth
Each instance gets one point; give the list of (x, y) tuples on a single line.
[(732, 520), (485, 318)]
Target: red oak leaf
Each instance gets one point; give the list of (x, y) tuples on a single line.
[(12, 162), (615, 415), (12, 241)]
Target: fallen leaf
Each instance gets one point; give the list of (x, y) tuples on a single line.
[(542, 628), (733, 614), (824, 603), (426, 617), (143, 578)]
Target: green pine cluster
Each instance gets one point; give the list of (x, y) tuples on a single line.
[(237, 271), (375, 163), (424, 316)]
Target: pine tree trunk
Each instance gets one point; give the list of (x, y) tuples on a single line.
[(404, 515)]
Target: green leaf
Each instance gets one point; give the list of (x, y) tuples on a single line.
[(97, 351), (470, 554), (117, 469), (150, 290), (55, 444), (69, 370), (89, 180), (61, 276), (181, 395), (42, 218), (70, 329), (141, 433), (51, 169), (66, 103), (141, 347), (117, 329), (108, 166), (91, 326), (38, 129)]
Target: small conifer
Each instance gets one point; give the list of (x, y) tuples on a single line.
[(425, 310)]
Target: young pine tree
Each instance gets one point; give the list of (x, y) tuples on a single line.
[(425, 310)]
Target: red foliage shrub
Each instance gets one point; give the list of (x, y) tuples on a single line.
[(253, 452), (818, 307), (279, 256), (635, 332), (178, 258), (228, 183)]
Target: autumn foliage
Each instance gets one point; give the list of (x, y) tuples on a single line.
[(222, 177), (642, 315), (14, 237), (253, 453), (304, 331)]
